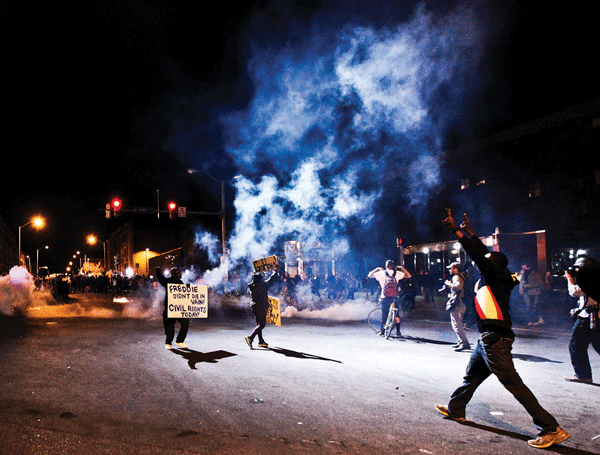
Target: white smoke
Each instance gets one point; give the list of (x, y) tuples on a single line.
[(335, 116), (16, 291), (209, 243)]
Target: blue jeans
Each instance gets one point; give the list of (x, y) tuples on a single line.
[(581, 338), (493, 355)]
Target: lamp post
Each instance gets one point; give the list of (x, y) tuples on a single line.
[(92, 240), (223, 235), (37, 260), (38, 223)]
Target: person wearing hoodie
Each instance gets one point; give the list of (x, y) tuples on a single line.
[(492, 354), (169, 323), (260, 305)]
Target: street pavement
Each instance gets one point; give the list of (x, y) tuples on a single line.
[(97, 382)]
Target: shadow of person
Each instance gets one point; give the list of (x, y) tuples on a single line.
[(422, 340), (299, 355), (194, 357), (534, 358)]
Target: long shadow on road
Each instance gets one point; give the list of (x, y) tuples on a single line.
[(194, 357), (299, 355)]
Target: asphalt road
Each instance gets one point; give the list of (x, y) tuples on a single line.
[(99, 383)]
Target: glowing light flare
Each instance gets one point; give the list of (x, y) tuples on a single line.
[(38, 222), (92, 239)]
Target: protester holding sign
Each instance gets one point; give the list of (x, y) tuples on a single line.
[(260, 305), (168, 322)]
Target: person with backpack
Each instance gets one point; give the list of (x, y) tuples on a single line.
[(389, 281), (456, 306)]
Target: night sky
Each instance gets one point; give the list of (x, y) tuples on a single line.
[(305, 100)]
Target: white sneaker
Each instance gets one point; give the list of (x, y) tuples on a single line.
[(181, 345), (167, 346)]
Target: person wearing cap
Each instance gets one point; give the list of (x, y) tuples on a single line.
[(456, 306), (492, 354), (585, 330), (259, 303), (169, 323)]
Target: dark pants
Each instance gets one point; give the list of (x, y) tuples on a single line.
[(493, 355), (169, 324), (581, 338), (386, 303), (260, 315)]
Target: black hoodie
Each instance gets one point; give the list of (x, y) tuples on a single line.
[(492, 299)]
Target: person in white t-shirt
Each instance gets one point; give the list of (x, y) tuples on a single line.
[(389, 279)]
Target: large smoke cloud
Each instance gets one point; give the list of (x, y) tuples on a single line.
[(337, 117)]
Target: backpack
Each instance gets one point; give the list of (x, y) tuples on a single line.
[(390, 286)]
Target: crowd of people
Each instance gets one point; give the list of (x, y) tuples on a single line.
[(117, 284)]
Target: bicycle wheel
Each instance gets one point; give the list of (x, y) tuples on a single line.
[(374, 319), (390, 321)]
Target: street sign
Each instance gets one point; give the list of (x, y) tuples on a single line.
[(143, 209), (181, 212)]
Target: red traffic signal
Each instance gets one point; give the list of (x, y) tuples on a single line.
[(172, 207), (116, 205)]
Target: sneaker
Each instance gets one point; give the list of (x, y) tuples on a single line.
[(263, 345), (576, 378), (168, 346), (181, 345), (444, 411), (462, 348), (249, 341), (554, 437)]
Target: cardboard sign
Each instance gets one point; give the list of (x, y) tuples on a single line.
[(187, 301), (266, 264), (274, 315)]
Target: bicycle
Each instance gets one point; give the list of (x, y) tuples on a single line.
[(393, 320)]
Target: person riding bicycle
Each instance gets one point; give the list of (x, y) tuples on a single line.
[(389, 281)]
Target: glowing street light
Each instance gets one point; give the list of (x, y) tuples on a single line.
[(38, 223), (92, 240)]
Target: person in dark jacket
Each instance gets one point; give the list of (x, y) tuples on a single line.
[(493, 351), (259, 289), (169, 323)]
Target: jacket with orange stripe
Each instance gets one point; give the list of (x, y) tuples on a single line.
[(492, 291)]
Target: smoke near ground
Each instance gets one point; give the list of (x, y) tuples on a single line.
[(16, 291)]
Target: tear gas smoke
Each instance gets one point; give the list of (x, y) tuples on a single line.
[(334, 120), (16, 291)]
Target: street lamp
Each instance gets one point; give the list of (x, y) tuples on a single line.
[(223, 243), (37, 260), (92, 240), (38, 223)]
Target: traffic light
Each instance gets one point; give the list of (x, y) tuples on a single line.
[(172, 207), (116, 205)]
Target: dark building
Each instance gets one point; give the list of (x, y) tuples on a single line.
[(8, 248)]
